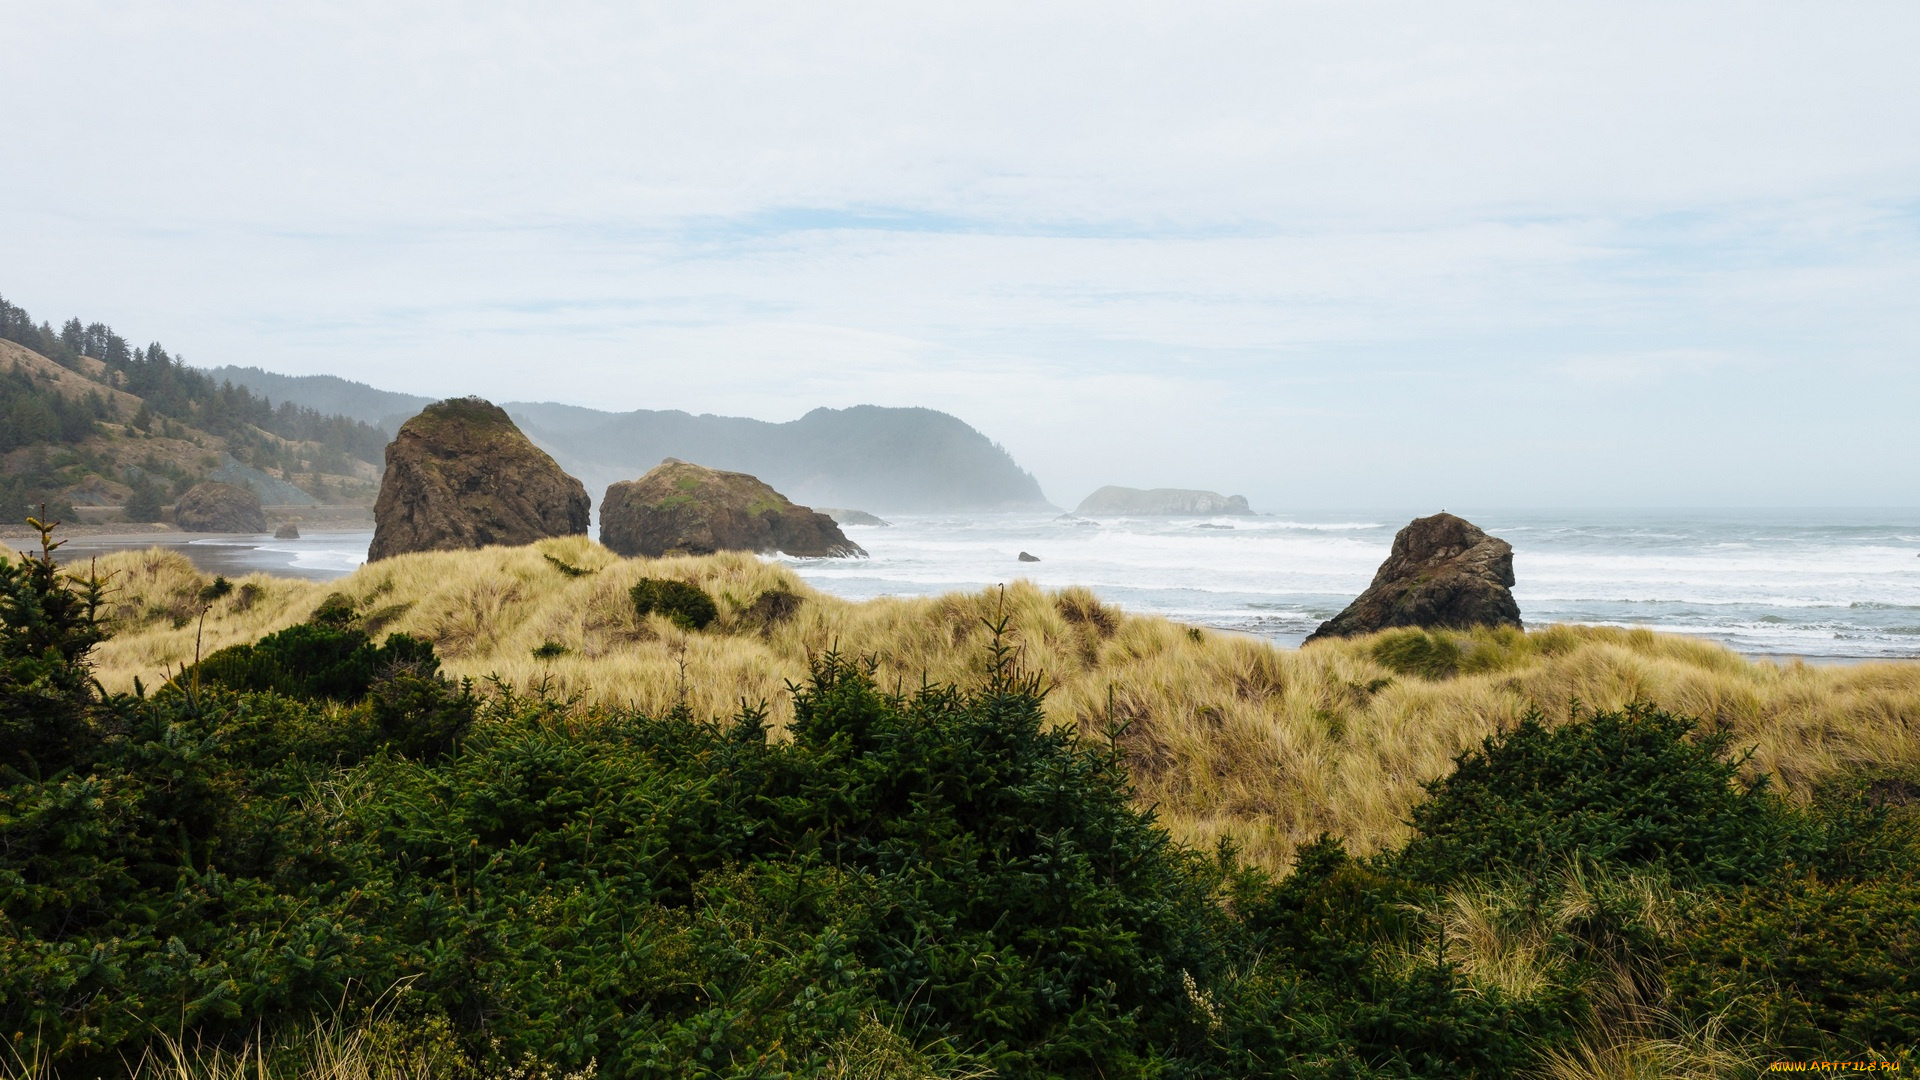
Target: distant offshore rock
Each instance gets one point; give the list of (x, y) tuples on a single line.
[(1444, 572), (1024, 557), (1113, 501), (289, 531), (843, 516), (683, 508), (216, 507), (461, 475)]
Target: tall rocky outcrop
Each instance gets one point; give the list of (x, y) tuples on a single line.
[(1443, 572), (679, 507), (1111, 501), (461, 475), (216, 507)]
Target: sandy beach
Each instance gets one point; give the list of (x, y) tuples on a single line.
[(320, 555)]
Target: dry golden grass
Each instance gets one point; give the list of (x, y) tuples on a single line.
[(1230, 737)]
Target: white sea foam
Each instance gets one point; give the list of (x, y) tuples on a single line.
[(1771, 582)]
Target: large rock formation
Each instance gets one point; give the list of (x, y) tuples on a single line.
[(461, 475), (1113, 501), (682, 507), (1443, 572), (218, 507)]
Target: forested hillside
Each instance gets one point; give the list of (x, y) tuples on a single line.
[(385, 409), (91, 419)]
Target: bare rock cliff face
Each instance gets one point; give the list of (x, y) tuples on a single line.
[(218, 507), (1444, 572), (680, 507), (461, 475)]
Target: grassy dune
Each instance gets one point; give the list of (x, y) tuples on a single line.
[(1230, 737)]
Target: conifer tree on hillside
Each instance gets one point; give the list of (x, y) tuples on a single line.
[(174, 397)]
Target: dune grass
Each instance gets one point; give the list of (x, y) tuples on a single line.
[(1230, 737)]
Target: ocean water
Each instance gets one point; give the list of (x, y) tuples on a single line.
[(1841, 584), (1823, 584)]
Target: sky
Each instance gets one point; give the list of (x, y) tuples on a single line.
[(1343, 254)]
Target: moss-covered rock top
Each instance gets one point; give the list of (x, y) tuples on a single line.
[(463, 417), (682, 507)]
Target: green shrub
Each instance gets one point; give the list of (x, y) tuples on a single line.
[(143, 502), (1632, 787), (687, 606), (215, 589), (1809, 967), (48, 624), (336, 610), (312, 660)]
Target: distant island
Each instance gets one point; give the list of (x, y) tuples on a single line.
[(1115, 501), (889, 459)]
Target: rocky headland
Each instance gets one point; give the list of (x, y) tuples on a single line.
[(1112, 501), (1443, 572), (680, 507), (461, 475)]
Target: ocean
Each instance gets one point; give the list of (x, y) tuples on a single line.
[(1839, 584)]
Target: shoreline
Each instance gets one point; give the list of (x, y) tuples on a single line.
[(227, 554), (333, 518)]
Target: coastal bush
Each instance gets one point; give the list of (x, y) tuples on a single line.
[(1809, 966), (1637, 787), (313, 660), (686, 606), (143, 502)]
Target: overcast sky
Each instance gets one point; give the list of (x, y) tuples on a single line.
[(1323, 254)]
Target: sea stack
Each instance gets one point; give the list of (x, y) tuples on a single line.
[(683, 508), (216, 507), (1444, 572), (461, 475)]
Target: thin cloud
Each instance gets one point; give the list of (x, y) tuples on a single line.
[(1311, 252)]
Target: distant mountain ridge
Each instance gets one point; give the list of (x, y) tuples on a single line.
[(386, 409), (868, 457)]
